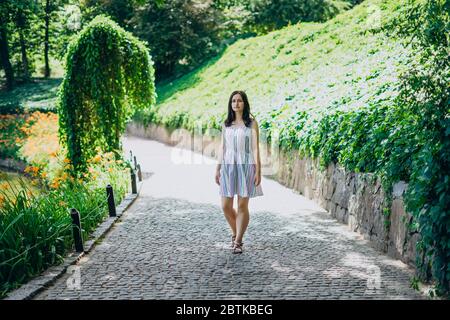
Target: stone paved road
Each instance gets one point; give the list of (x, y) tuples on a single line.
[(173, 243)]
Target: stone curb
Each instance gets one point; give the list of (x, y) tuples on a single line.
[(36, 285), (13, 164)]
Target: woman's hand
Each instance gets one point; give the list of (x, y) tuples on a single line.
[(218, 177), (257, 178)]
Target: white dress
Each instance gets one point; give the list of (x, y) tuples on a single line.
[(238, 162)]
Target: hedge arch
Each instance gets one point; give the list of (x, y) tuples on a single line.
[(109, 75)]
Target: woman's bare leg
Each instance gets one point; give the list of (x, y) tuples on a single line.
[(230, 213), (243, 218)]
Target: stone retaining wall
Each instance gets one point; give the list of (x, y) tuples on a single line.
[(355, 199)]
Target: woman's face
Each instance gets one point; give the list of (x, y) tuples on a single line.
[(237, 104)]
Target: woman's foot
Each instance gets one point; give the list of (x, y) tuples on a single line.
[(232, 241), (237, 247)]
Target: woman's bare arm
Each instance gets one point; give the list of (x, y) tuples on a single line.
[(220, 154), (255, 146)]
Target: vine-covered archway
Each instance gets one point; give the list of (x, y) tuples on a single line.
[(109, 75)]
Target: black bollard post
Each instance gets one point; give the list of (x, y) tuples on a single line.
[(139, 172), (76, 226), (111, 202), (131, 157), (133, 182), (135, 163)]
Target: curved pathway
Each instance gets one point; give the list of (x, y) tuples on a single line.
[(173, 243)]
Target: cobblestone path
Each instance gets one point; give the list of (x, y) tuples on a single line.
[(174, 243)]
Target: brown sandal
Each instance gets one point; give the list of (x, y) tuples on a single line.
[(232, 241), (237, 247)]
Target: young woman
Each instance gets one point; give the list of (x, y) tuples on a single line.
[(238, 170)]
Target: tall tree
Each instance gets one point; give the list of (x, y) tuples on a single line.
[(21, 23), (5, 10), (23, 16), (48, 11)]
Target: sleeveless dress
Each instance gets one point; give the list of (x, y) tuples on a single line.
[(238, 164)]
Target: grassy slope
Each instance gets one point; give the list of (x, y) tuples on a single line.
[(39, 94), (344, 63)]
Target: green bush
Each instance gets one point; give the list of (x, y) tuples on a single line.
[(109, 75)]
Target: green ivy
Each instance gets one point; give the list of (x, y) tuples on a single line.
[(426, 93), (109, 75)]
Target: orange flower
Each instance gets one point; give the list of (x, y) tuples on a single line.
[(97, 159), (55, 184)]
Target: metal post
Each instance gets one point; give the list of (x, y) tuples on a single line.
[(76, 226), (135, 163), (111, 202), (131, 157), (139, 172), (133, 182)]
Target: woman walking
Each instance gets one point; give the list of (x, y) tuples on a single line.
[(238, 170)]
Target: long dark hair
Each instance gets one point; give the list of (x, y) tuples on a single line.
[(245, 115)]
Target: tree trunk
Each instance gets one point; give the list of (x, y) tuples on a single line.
[(4, 56), (46, 49), (23, 46)]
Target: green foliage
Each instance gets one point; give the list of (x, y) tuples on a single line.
[(109, 75), (426, 93), (23, 27), (181, 34), (247, 18), (10, 126), (270, 15), (36, 229), (18, 20)]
